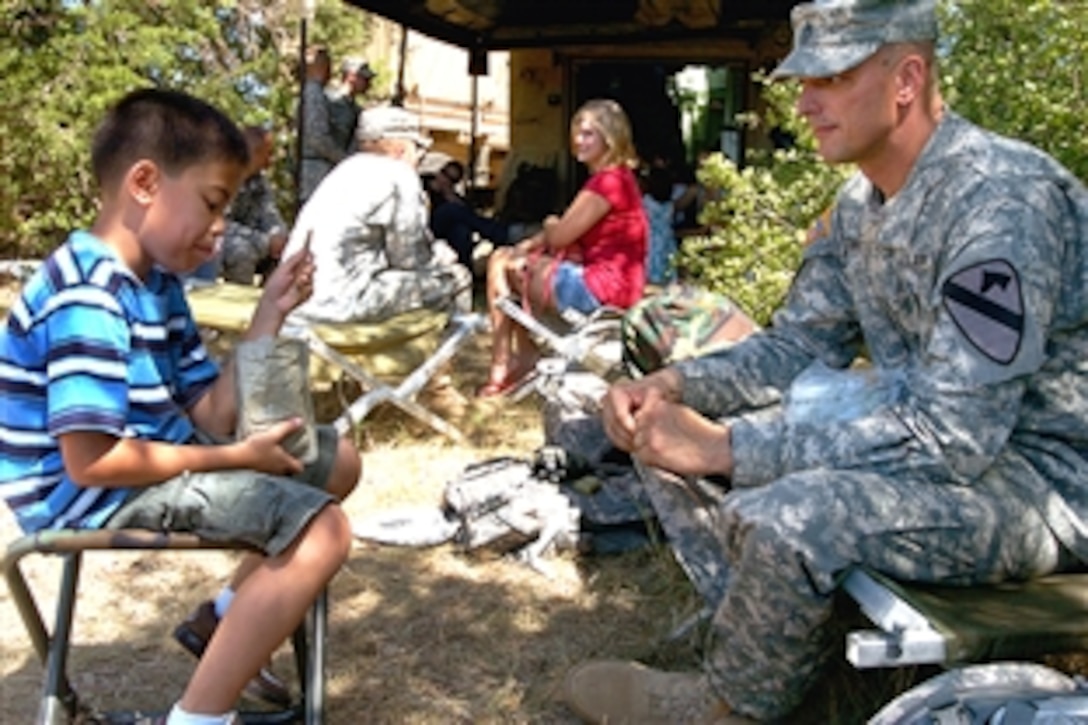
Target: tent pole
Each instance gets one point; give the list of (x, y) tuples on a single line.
[(300, 112), (477, 66), (471, 166), (399, 94)]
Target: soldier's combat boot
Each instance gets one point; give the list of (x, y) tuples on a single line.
[(629, 693)]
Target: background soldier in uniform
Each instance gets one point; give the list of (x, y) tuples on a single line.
[(374, 256), (255, 229), (955, 258), (320, 150), (355, 78)]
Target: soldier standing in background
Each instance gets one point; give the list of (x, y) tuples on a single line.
[(344, 108), (320, 150), (956, 261)]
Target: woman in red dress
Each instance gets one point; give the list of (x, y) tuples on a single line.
[(592, 255)]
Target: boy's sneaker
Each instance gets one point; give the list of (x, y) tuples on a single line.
[(196, 631)]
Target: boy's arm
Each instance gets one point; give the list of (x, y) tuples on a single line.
[(290, 285), (100, 460)]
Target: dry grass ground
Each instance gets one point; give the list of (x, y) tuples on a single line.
[(416, 636)]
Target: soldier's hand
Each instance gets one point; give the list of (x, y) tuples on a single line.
[(674, 437), (624, 399)]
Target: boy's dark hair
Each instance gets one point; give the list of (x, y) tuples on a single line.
[(171, 128)]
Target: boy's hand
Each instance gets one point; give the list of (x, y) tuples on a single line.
[(268, 455), (290, 284)]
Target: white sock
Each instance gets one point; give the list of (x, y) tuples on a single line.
[(180, 717), (223, 600)]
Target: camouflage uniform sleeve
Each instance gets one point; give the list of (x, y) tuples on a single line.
[(317, 139), (984, 316), (817, 320), (269, 220), (407, 238)]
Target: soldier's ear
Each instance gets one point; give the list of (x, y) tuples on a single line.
[(910, 78)]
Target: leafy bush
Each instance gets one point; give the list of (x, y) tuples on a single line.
[(760, 214)]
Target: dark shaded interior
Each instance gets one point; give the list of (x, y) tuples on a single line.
[(508, 24)]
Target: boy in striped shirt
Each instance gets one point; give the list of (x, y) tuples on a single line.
[(112, 406)]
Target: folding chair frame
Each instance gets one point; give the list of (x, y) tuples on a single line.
[(403, 395), (579, 345), (59, 702), (243, 301), (950, 625)]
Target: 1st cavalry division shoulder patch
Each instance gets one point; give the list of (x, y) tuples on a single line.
[(985, 302)]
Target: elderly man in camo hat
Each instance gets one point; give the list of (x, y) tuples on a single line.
[(366, 224), (955, 260)]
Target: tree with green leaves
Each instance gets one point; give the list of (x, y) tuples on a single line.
[(64, 62)]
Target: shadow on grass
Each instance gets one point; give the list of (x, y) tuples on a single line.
[(415, 636)]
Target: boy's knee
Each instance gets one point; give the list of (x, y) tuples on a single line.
[(331, 530)]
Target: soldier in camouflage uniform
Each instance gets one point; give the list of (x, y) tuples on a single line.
[(255, 229), (344, 109), (374, 255), (320, 150), (955, 259)]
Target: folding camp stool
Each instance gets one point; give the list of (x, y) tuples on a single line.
[(590, 342), (229, 307), (1004, 625), (59, 701)]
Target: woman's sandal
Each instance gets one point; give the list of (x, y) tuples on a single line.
[(497, 388)]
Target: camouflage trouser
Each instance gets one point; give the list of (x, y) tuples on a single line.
[(395, 291), (311, 173), (769, 558), (243, 248)]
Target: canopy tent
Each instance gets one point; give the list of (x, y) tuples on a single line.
[(508, 24), (480, 26)]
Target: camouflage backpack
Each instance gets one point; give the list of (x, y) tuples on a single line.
[(678, 323), (996, 693)]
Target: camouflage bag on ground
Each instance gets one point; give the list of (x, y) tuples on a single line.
[(507, 503), (680, 322), (997, 693)]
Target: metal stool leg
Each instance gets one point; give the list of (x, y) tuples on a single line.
[(315, 675), (58, 701)]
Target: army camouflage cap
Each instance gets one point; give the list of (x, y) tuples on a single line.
[(832, 36), (391, 122)]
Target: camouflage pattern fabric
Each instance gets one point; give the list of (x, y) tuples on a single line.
[(971, 286), (374, 256), (252, 219), (320, 150), (343, 119), (679, 323), (832, 36), (612, 494), (1005, 692)]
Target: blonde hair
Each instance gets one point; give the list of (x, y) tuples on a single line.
[(609, 119)]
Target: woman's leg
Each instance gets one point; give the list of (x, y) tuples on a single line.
[(498, 287)]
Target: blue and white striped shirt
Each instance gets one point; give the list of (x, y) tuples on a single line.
[(90, 347)]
